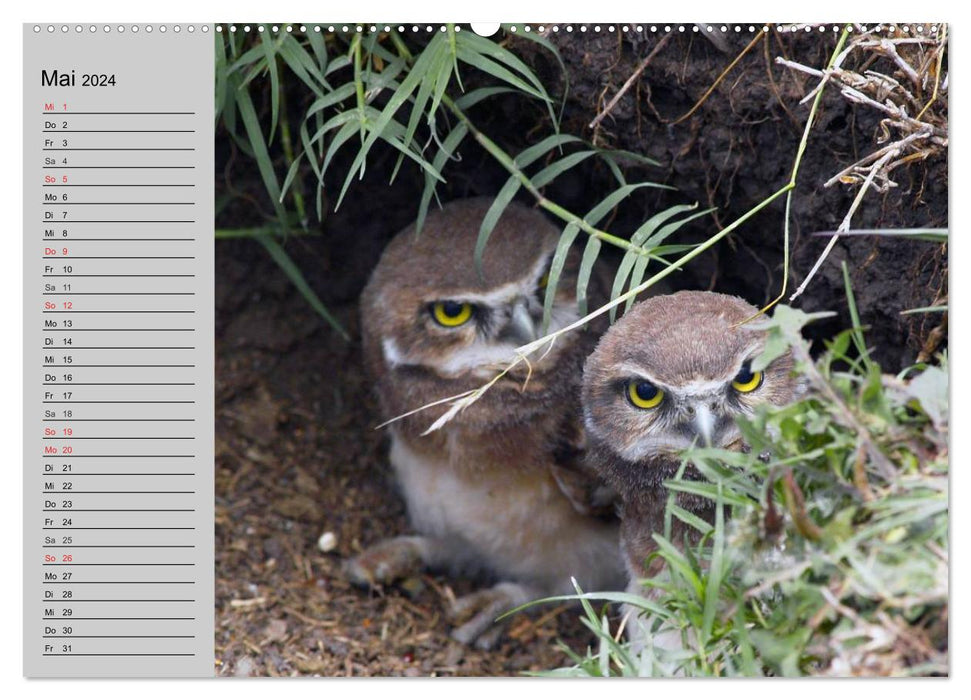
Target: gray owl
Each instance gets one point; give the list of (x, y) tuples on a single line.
[(500, 491), (673, 372)]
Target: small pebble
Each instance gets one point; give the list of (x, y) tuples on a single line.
[(244, 667), (327, 542)]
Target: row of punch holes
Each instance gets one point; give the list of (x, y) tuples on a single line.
[(527, 28), (121, 28)]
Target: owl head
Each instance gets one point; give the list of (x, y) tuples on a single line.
[(427, 306), (675, 372)]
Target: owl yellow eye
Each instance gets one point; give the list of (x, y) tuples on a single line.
[(451, 313), (544, 281), (747, 381), (644, 394)]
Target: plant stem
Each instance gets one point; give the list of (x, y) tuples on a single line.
[(795, 171), (561, 213)]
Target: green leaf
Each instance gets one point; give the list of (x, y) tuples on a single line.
[(451, 142), (590, 253), (716, 571), (471, 44), (675, 559), (629, 263), (483, 63), (930, 390), (933, 235), (383, 121), (474, 97), (557, 168), (269, 51), (303, 65), (491, 218), (263, 162), (556, 269), (281, 258), (784, 329)]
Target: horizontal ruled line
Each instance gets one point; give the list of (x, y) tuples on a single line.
[(118, 528), (122, 311), (119, 257), (118, 131), (119, 294), (112, 330), (72, 617), (147, 184), (151, 402), (119, 546), (118, 149), (117, 239), (122, 347), (119, 420), (116, 204), (119, 167), (108, 654), (125, 564), (73, 365), (122, 583), (128, 113), (119, 221), (118, 636), (139, 276), (119, 384), (126, 456), (70, 491), (121, 600), (116, 510)]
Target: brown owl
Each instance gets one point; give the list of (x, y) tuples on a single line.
[(498, 491), (673, 372)]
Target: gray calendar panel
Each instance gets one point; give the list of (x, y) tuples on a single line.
[(118, 352)]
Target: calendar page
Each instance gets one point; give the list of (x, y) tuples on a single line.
[(449, 349)]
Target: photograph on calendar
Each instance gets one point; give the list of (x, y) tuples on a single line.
[(581, 350)]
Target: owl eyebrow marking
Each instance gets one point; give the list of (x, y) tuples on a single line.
[(499, 295), (490, 298), (630, 368)]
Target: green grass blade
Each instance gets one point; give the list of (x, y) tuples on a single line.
[(554, 170), (291, 270), (299, 60), (925, 310), (933, 235), (319, 47), (716, 571), (556, 269), (376, 129), (858, 340), (451, 142), (590, 253), (477, 60), (491, 218), (474, 97), (269, 51), (349, 127), (537, 151), (263, 162)]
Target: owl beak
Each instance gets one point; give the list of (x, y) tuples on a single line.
[(704, 422), (521, 328)]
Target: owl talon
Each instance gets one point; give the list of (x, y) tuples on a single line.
[(488, 604), (388, 561)]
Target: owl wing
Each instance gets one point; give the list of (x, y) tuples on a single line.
[(576, 478)]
